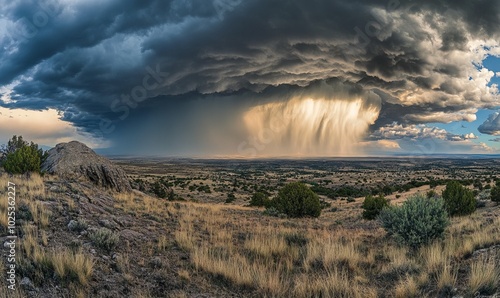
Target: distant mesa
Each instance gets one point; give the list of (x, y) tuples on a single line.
[(75, 160)]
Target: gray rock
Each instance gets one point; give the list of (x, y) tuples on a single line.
[(72, 225), (75, 160), (156, 262), (8, 244), (27, 284), (106, 223)]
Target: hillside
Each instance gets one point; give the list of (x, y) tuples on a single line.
[(157, 248)]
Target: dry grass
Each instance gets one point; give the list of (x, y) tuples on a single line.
[(41, 214), (266, 244), (140, 203), (434, 256), (324, 263), (469, 234), (446, 278), (66, 264), (27, 188), (335, 283), (274, 257), (74, 266), (484, 276), (331, 252), (162, 243), (41, 263), (184, 275), (407, 288), (267, 258)]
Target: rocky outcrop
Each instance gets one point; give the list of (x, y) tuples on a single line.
[(75, 160)]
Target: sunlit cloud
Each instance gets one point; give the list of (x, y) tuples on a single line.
[(43, 127)]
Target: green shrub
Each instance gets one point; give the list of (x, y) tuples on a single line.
[(77, 225), (105, 238), (373, 205), (297, 200), (417, 222), (19, 157), (230, 198), (495, 193), (260, 199), (432, 194), (458, 199), (23, 160)]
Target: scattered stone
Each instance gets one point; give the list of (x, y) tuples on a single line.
[(106, 223), (72, 225), (156, 262), (27, 284), (75, 160), (6, 244), (130, 235)]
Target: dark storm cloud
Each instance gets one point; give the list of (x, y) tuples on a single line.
[(90, 54), (492, 125)]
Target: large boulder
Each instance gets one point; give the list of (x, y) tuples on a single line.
[(75, 160)]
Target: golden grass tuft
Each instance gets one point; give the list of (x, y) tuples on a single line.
[(446, 277), (162, 243), (74, 266), (484, 276), (407, 288), (335, 283), (184, 274)]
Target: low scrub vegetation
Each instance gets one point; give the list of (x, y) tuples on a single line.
[(372, 206), (260, 199), (105, 238), (417, 222), (235, 248), (297, 200), (458, 199), (495, 193), (19, 157)]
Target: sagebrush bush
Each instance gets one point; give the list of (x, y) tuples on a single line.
[(77, 225), (373, 205), (417, 222), (297, 200), (105, 238), (458, 199)]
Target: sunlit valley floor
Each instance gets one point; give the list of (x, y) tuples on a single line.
[(77, 240)]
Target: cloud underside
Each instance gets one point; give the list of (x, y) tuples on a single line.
[(128, 61), (492, 125)]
